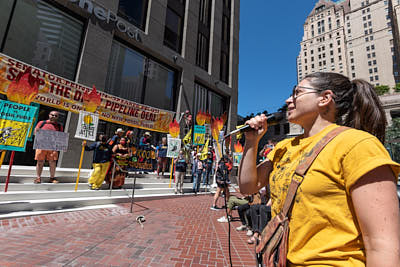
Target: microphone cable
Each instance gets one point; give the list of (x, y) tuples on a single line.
[(229, 222)]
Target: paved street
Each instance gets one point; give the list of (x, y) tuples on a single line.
[(177, 232)]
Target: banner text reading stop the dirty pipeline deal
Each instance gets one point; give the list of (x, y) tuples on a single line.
[(64, 94)]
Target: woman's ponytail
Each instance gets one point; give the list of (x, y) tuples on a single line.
[(366, 112), (356, 102)]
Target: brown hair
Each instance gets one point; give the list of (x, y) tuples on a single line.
[(357, 104)]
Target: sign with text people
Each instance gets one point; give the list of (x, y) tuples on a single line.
[(51, 140), (15, 125), (64, 94), (199, 137), (87, 126)]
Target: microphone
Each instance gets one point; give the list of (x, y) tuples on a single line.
[(272, 119)]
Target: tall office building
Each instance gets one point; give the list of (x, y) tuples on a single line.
[(357, 38), (352, 37)]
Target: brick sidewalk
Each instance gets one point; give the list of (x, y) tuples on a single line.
[(177, 232)]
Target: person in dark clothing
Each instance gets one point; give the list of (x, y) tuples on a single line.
[(222, 179), (101, 161), (180, 171), (208, 168), (162, 157)]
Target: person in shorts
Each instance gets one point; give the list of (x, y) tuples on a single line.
[(50, 155)]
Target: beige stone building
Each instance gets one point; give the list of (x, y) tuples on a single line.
[(357, 38)]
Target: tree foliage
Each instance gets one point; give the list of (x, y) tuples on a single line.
[(392, 143), (382, 89), (397, 87)]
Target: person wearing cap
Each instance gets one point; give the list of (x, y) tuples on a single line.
[(119, 133), (144, 141)]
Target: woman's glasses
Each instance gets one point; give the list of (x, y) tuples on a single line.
[(295, 93)]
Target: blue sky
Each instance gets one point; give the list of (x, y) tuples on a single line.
[(270, 35)]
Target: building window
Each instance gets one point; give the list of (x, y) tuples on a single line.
[(206, 99), (375, 69), (174, 24), (203, 36), (353, 75), (134, 11), (133, 76), (41, 35), (376, 77), (351, 60), (225, 42), (371, 79)]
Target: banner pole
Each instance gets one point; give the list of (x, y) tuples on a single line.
[(9, 170), (80, 165), (3, 154), (170, 175)]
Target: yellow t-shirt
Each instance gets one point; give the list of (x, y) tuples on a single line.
[(323, 225)]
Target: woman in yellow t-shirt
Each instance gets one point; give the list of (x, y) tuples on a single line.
[(346, 211)]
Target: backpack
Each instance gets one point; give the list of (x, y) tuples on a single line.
[(58, 125)]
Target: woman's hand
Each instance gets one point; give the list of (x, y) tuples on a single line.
[(259, 124)]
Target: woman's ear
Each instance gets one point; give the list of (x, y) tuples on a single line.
[(326, 98)]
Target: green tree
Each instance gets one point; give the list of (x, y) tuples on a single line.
[(382, 89), (392, 140), (397, 87)]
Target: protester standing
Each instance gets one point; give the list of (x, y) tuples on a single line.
[(346, 211), (121, 153), (101, 161), (50, 155), (198, 173), (119, 133), (208, 165), (162, 157), (180, 171)]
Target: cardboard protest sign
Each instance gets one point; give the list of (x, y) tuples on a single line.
[(174, 145), (142, 159), (237, 157), (15, 125), (199, 135), (51, 140), (87, 126)]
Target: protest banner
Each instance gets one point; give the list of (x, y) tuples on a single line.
[(15, 125), (87, 126), (174, 145), (199, 135), (51, 140), (57, 92)]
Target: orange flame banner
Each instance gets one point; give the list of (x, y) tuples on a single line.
[(61, 93), (208, 117), (24, 88), (216, 127), (238, 147), (200, 118), (224, 117), (174, 129), (91, 100)]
